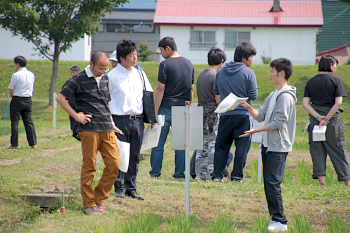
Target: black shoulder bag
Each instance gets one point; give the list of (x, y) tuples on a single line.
[(149, 106)]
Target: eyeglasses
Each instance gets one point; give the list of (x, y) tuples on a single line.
[(103, 70)]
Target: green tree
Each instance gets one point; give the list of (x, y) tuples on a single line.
[(53, 24), (144, 52)]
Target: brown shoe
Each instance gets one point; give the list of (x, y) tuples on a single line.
[(12, 147), (34, 147)]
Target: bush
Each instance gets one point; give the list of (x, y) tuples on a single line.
[(144, 52), (266, 60)]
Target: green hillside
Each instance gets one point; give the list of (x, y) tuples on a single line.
[(43, 69)]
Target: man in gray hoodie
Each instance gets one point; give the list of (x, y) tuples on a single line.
[(278, 113), (235, 77)]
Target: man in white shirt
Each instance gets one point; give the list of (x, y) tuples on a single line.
[(126, 84), (21, 91)]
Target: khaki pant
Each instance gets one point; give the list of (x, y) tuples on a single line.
[(91, 142)]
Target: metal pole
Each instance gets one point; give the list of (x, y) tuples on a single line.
[(54, 109), (187, 157), (259, 164)]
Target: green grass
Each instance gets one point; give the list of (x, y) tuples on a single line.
[(56, 166), (301, 224), (336, 224)]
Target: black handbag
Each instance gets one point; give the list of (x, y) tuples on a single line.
[(149, 106)]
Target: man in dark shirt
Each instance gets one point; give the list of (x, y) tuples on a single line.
[(96, 130), (175, 87)]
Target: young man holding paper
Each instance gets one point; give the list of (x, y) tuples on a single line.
[(278, 113), (235, 77)]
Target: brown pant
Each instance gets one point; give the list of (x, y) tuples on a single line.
[(91, 142)]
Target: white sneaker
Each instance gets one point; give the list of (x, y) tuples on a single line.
[(277, 226), (218, 180)]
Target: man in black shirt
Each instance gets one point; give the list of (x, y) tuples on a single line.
[(175, 87)]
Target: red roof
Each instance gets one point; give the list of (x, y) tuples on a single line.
[(304, 13), (332, 50)]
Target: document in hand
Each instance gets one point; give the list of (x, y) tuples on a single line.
[(151, 136), (319, 133), (229, 103)]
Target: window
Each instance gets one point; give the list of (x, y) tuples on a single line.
[(234, 38), (118, 28), (101, 28), (202, 39), (143, 28)]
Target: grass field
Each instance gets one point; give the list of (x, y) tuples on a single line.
[(215, 207)]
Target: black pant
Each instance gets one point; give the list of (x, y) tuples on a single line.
[(230, 127), (273, 172), (133, 133), (22, 106)]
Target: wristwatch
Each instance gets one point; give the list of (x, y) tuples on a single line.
[(325, 119)]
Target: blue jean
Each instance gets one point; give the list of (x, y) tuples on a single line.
[(157, 152), (274, 164)]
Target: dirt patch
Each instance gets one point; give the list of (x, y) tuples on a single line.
[(44, 153), (56, 188)]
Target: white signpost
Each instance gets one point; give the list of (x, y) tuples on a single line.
[(257, 138), (187, 133), (54, 109)]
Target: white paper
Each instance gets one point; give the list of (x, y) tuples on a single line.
[(229, 103), (124, 155), (319, 133), (151, 136)]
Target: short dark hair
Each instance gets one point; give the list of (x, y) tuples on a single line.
[(97, 55), (124, 48), (168, 41), (244, 50), (20, 60), (326, 62), (283, 64), (216, 56), (75, 68)]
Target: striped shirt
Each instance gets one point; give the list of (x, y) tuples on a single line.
[(91, 98)]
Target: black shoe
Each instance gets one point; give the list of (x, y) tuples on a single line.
[(134, 194), (120, 194), (179, 177), (155, 176), (237, 180)]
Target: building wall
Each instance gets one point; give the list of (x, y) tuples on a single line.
[(12, 46), (296, 44), (336, 28), (107, 41), (342, 55)]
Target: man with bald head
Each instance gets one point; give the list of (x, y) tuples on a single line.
[(96, 130)]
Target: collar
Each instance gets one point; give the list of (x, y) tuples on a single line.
[(89, 72), (22, 68), (121, 68)]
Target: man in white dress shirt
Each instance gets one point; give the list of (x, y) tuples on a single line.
[(21, 91), (126, 84)]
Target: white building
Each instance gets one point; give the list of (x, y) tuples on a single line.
[(276, 28), (12, 46)]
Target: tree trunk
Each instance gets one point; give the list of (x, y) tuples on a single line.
[(53, 83)]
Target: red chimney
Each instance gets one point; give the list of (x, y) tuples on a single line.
[(276, 6)]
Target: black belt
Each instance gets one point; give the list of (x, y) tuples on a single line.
[(130, 117)]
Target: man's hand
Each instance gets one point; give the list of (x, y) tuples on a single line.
[(116, 129), (82, 118), (245, 105), (152, 125), (248, 133)]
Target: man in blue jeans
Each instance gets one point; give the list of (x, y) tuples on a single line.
[(175, 87)]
